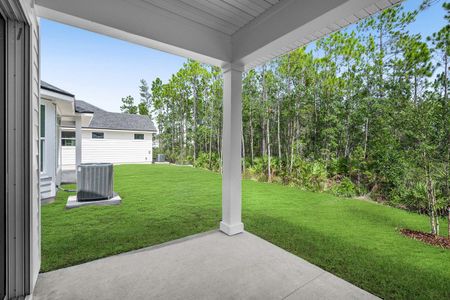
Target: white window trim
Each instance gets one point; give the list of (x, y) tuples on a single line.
[(42, 141)]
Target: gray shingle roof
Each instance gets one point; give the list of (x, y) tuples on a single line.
[(108, 120), (84, 107), (49, 87)]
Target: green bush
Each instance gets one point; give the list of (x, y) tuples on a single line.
[(344, 188), (204, 161)]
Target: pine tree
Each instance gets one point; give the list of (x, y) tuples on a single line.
[(145, 106), (128, 105)]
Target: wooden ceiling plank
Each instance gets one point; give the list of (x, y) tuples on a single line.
[(233, 10), (194, 14), (217, 11), (262, 3), (239, 4)]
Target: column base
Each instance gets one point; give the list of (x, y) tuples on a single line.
[(231, 229)]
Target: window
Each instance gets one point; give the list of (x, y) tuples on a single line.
[(98, 135), (138, 136), (41, 167), (42, 121), (42, 139), (68, 138)]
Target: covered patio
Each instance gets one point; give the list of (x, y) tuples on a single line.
[(210, 265), (236, 35)]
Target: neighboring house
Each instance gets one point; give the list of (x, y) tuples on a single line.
[(109, 137), (105, 137), (55, 105)]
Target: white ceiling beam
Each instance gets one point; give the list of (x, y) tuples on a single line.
[(291, 21), (140, 22)]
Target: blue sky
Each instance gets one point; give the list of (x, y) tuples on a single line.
[(102, 70), (97, 68)]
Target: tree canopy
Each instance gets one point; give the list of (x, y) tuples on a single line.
[(363, 112)]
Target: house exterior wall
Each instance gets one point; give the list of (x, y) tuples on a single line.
[(35, 222), (58, 150), (116, 147), (48, 174), (68, 157), (22, 146)]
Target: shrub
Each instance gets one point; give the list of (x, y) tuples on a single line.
[(344, 188), (206, 162)]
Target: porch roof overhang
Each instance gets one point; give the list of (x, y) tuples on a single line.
[(64, 103), (218, 32)]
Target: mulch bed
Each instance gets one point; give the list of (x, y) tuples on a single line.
[(428, 238)]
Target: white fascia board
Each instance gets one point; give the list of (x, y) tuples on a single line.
[(140, 22), (86, 118), (50, 95), (291, 23), (65, 104)]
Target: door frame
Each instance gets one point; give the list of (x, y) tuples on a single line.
[(2, 156), (17, 150)]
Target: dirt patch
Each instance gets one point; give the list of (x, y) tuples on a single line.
[(428, 238)]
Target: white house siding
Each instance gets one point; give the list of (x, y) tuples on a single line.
[(48, 175), (116, 147), (33, 89), (35, 234), (68, 157)]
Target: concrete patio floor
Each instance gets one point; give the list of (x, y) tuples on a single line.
[(205, 266)]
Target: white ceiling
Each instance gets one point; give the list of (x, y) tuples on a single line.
[(217, 32), (226, 16)]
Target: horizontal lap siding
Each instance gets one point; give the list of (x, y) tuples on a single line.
[(68, 157), (35, 207), (116, 147)]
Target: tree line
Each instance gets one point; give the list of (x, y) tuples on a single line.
[(362, 112)]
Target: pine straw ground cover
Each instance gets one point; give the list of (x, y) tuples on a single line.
[(356, 240), (431, 239)]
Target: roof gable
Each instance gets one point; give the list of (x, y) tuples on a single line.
[(50, 87), (117, 121)]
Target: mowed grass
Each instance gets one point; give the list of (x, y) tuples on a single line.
[(356, 240)]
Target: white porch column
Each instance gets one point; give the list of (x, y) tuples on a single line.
[(231, 150), (78, 139)]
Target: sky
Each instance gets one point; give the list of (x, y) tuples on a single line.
[(103, 70)]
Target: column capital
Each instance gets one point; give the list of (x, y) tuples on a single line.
[(233, 66)]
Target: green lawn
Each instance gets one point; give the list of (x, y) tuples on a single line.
[(354, 239)]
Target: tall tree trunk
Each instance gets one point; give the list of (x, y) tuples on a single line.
[(316, 125), (219, 149), (434, 220), (366, 137), (243, 153), (292, 146), (263, 137), (347, 136), (446, 140), (381, 45), (251, 135), (194, 136), (278, 134), (210, 148), (269, 171), (173, 135)]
